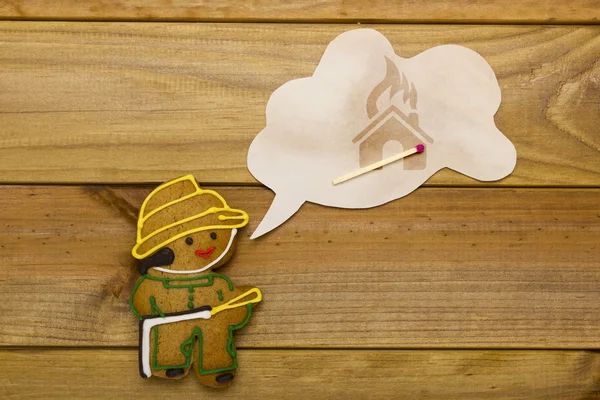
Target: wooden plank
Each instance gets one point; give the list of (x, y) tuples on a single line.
[(127, 102), (296, 374), (444, 268), (482, 11)]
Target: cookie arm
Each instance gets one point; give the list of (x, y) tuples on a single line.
[(244, 289), (155, 310), (138, 313), (247, 298)]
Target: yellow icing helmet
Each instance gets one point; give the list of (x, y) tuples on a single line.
[(178, 208)]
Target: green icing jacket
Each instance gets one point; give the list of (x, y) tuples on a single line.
[(154, 297)]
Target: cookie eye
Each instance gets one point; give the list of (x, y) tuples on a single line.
[(213, 235), (189, 241)]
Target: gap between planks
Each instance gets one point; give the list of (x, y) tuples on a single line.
[(357, 22)]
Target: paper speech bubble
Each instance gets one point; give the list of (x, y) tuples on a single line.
[(364, 103)]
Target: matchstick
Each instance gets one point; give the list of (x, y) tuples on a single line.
[(417, 149)]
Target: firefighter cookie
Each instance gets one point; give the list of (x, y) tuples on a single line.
[(188, 314)]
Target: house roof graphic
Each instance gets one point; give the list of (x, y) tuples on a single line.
[(391, 112)]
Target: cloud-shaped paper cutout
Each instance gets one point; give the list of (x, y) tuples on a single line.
[(363, 103)]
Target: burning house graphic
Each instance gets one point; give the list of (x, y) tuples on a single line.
[(391, 124)]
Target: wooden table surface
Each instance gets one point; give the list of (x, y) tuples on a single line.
[(462, 290)]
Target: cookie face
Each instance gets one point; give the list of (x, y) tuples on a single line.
[(200, 251), (187, 313), (205, 248)]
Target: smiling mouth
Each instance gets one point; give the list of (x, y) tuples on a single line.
[(205, 253)]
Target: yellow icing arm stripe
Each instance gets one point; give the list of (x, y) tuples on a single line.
[(233, 303)]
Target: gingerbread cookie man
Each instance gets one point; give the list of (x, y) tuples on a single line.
[(187, 313)]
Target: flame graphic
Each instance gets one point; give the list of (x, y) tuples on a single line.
[(396, 82)]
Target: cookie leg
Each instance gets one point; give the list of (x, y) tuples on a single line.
[(214, 366), (169, 359), (219, 380)]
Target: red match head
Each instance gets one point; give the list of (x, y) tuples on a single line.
[(420, 148)]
